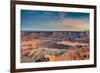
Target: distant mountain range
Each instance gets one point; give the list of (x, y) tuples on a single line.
[(56, 34)]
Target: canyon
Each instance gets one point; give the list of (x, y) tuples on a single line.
[(48, 46)]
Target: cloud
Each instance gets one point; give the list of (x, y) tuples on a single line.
[(73, 24)]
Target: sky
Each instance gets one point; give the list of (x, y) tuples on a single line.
[(33, 20)]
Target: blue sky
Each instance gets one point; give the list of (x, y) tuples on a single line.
[(32, 20)]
